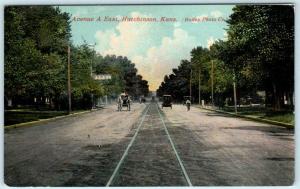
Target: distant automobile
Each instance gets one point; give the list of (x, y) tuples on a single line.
[(167, 101), (153, 99)]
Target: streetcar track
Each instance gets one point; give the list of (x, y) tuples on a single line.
[(116, 170), (125, 154), (175, 151)]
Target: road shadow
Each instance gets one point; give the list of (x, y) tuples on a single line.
[(270, 130), (96, 166), (218, 114), (280, 159), (92, 167)]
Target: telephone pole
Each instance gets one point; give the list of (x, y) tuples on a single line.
[(69, 80), (212, 83), (191, 85), (234, 94), (199, 78), (92, 95)]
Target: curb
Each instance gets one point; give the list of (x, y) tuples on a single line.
[(31, 123), (287, 125)]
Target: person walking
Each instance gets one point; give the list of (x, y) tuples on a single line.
[(188, 104)]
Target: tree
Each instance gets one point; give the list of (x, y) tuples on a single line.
[(260, 48), (177, 83), (35, 49), (124, 76), (84, 87)]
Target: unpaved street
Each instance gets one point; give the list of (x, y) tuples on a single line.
[(169, 147), (218, 149), (74, 151)]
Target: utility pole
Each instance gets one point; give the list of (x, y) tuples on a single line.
[(234, 94), (191, 85), (199, 78), (212, 83), (69, 80), (92, 45), (92, 95)]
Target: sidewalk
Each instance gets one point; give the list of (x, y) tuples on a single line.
[(250, 117)]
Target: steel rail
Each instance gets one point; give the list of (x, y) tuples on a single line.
[(186, 176), (111, 179)]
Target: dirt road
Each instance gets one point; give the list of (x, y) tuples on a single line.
[(218, 149), (75, 151), (149, 147)]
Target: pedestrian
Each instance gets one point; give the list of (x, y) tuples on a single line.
[(188, 104)]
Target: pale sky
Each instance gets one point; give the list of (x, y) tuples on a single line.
[(154, 47)]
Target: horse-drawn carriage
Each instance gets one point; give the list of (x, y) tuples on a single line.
[(123, 100)]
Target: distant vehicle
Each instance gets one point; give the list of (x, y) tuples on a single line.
[(123, 100), (167, 101), (153, 99)]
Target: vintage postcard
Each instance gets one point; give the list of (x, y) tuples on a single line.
[(149, 95)]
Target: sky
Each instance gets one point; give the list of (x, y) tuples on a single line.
[(155, 47)]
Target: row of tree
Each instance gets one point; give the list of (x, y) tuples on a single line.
[(124, 76), (258, 55), (36, 43)]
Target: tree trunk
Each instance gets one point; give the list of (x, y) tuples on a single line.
[(277, 98), (291, 97)]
